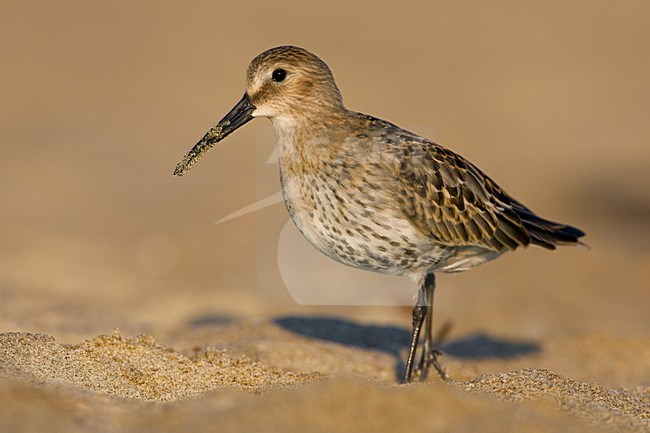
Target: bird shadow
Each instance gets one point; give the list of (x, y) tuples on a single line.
[(394, 340)]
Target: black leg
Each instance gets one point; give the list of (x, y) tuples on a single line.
[(419, 312), (429, 353), (429, 287)]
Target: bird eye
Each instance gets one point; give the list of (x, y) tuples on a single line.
[(279, 75)]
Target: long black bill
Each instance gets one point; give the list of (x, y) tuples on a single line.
[(238, 116)]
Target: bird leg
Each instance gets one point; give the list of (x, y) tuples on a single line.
[(429, 353), (419, 313)]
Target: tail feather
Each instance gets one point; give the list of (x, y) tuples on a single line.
[(548, 234)]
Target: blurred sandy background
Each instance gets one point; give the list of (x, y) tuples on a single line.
[(99, 100)]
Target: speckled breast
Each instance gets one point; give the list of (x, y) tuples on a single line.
[(355, 223)]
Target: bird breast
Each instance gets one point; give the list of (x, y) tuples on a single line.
[(343, 209)]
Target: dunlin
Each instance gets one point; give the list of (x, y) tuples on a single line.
[(373, 196)]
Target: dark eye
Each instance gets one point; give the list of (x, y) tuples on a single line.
[(279, 75)]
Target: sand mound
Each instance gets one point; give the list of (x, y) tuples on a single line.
[(133, 367), (589, 401)]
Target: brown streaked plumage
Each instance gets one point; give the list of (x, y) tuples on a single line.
[(374, 196)]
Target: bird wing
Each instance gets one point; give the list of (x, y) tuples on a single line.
[(453, 202)]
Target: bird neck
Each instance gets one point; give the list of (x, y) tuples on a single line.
[(306, 138)]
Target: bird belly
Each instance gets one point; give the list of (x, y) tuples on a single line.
[(360, 230)]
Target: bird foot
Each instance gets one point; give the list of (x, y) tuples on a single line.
[(430, 357)]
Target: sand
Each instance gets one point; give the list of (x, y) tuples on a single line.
[(124, 308), (135, 384)]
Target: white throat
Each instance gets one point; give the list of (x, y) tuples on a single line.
[(285, 128)]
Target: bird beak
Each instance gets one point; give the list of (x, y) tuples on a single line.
[(237, 117)]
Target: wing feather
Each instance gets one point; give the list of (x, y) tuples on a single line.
[(453, 202)]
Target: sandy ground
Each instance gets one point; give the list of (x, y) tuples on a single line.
[(123, 307)]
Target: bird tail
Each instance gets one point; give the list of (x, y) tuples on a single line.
[(548, 234)]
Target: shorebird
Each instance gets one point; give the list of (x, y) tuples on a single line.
[(371, 195)]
